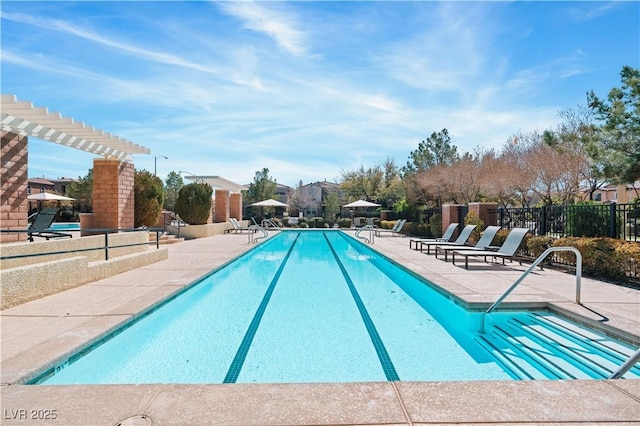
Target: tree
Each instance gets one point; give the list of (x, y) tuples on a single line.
[(381, 183), (172, 185), (618, 144), (148, 199), (193, 204), (82, 191), (262, 188), (576, 132), (331, 206), (436, 150)]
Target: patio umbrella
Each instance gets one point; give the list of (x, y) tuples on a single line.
[(269, 203), (47, 196), (361, 203)]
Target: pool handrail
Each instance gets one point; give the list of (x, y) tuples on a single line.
[(626, 366), (533, 265), (371, 230)]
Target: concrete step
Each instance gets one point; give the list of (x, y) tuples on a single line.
[(165, 238)]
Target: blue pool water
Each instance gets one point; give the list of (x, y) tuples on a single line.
[(65, 226), (303, 307)]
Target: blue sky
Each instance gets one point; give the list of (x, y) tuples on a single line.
[(307, 89)]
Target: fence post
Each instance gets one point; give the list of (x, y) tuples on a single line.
[(501, 216), (612, 221), (543, 221)]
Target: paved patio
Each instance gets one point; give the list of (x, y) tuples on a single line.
[(38, 335)]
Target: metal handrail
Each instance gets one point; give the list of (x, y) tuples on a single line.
[(533, 265), (95, 231), (268, 223), (254, 229), (371, 230), (172, 220), (626, 366)]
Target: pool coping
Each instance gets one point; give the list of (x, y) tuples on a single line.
[(603, 401)]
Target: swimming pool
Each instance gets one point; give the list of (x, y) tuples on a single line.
[(321, 307), (66, 226)]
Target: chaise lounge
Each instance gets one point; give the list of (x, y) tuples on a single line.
[(41, 225), (485, 241), (447, 236), (395, 230), (507, 249), (459, 242)]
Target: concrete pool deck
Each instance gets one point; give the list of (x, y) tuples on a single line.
[(40, 334)]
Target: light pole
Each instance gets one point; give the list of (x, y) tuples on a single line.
[(155, 163), (196, 179)]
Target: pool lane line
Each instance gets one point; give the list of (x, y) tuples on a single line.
[(243, 349), (383, 355)]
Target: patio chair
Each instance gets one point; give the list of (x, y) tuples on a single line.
[(236, 227), (447, 236), (394, 231), (460, 241), (506, 250), (41, 225), (485, 241)]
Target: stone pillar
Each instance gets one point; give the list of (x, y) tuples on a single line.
[(235, 205), (14, 207), (221, 206), (451, 214), (113, 193), (487, 212)]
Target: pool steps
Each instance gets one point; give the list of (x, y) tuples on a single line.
[(549, 347)]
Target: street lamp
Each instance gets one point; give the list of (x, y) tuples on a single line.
[(155, 163), (196, 179)]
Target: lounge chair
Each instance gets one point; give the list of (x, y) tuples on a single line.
[(370, 221), (460, 241), (506, 250), (236, 227), (482, 244), (447, 236), (395, 230), (40, 227), (357, 222)]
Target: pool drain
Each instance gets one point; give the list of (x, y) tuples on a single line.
[(138, 420)]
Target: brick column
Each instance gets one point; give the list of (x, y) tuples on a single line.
[(488, 212), (235, 205), (450, 214), (113, 194), (14, 208), (221, 206)]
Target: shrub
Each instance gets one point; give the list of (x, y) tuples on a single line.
[(148, 193), (376, 222), (538, 244), (317, 222), (435, 225), (601, 256), (303, 225), (472, 218), (344, 222), (193, 204), (417, 229), (588, 219)]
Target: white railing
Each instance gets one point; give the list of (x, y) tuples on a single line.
[(626, 366), (253, 230), (371, 230), (533, 265)]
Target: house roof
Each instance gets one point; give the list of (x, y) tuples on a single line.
[(23, 118)]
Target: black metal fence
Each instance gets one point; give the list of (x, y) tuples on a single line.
[(621, 221)]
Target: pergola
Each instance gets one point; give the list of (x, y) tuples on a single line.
[(25, 119), (113, 196)]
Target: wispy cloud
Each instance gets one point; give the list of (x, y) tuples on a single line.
[(272, 20)]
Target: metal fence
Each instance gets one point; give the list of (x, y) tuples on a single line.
[(621, 221)]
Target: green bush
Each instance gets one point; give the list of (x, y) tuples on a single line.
[(472, 218), (601, 256), (303, 225), (538, 244), (588, 219), (435, 225), (316, 222), (193, 204), (417, 229), (344, 222), (148, 199)]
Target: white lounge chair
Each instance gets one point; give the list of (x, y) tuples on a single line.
[(482, 244), (236, 227), (507, 249), (459, 242), (447, 236), (394, 231)]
